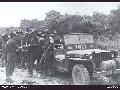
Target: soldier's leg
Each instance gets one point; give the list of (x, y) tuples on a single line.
[(41, 65), (17, 62), (41, 60), (38, 62), (27, 59), (2, 59), (19, 59), (45, 63), (8, 66), (31, 63), (11, 63), (43, 71), (23, 60), (5, 57), (49, 62), (27, 56)]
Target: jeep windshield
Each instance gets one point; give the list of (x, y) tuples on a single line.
[(78, 39)]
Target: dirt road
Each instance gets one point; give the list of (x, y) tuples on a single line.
[(21, 77)]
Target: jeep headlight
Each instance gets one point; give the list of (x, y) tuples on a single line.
[(91, 57)]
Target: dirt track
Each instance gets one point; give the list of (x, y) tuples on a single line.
[(20, 77)]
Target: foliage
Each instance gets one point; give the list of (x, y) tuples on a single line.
[(99, 24)]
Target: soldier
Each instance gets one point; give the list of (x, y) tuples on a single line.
[(24, 53), (47, 60), (19, 52), (11, 48), (33, 51), (3, 57), (39, 51)]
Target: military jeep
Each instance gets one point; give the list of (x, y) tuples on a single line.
[(78, 54)]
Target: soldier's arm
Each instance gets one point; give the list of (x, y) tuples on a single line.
[(17, 47), (8, 45), (46, 44)]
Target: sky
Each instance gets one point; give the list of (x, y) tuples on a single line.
[(11, 13)]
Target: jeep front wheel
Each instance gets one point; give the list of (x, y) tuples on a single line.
[(80, 75)]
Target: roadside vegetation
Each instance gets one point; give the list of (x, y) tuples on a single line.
[(105, 28)]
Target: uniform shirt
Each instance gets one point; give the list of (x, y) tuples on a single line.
[(50, 47), (47, 42), (11, 46), (18, 41), (3, 46), (41, 44), (33, 41)]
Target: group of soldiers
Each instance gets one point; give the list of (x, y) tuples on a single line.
[(23, 50)]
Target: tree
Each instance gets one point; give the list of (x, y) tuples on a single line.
[(51, 20), (115, 21), (25, 25)]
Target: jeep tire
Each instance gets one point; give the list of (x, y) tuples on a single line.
[(80, 75)]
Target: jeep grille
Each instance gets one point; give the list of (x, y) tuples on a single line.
[(103, 56)]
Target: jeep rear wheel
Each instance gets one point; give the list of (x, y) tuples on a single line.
[(80, 75)]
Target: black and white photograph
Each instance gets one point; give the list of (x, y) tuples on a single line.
[(59, 43)]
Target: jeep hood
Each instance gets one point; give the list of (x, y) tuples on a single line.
[(88, 51)]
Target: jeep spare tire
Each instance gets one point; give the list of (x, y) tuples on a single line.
[(80, 75), (108, 65), (117, 60)]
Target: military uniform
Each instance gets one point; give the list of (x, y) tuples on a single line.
[(33, 51), (39, 54), (11, 48), (4, 56), (19, 53), (47, 60), (25, 53), (25, 56)]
